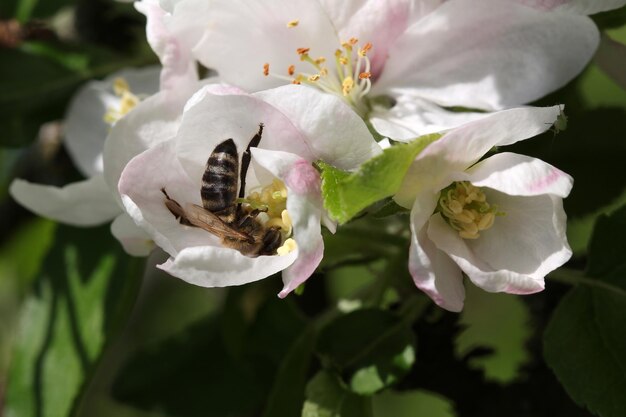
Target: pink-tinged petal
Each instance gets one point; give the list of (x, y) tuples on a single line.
[(520, 175), (459, 148), (134, 240), (85, 128), (374, 21), (243, 35), (153, 121), (140, 186), (488, 54), (216, 118), (412, 116), (432, 270), (334, 132), (304, 205), (83, 203), (518, 251), (188, 21), (179, 74), (210, 266)]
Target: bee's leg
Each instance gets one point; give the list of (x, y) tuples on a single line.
[(176, 209), (245, 218)]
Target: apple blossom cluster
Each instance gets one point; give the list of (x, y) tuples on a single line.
[(320, 80)]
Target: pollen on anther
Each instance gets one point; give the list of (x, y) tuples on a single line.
[(364, 75), (303, 51), (266, 69), (314, 77), (291, 70), (293, 23), (320, 60)]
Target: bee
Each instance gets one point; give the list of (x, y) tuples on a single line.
[(220, 214)]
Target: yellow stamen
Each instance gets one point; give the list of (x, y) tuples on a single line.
[(347, 86), (314, 77), (293, 23), (266, 69), (291, 70), (287, 247), (128, 101), (465, 208)]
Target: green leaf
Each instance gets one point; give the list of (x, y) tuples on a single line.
[(325, 397), (584, 344), (498, 322), (346, 194), (84, 292), (287, 394), (606, 248), (370, 348), (412, 404), (213, 376), (585, 341), (42, 70)]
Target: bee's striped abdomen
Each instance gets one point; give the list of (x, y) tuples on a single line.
[(219, 182)]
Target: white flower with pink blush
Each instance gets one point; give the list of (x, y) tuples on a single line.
[(185, 192), (498, 220), (93, 111), (398, 63)]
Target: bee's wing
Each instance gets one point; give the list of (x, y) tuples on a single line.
[(204, 219)]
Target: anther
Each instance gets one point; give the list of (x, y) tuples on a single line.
[(293, 23), (365, 75), (266, 69), (291, 70)]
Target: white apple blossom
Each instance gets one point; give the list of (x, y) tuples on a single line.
[(92, 112), (500, 221), (422, 55), (299, 128)]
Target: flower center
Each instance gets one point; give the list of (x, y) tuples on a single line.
[(465, 208), (272, 200), (127, 102), (348, 78)]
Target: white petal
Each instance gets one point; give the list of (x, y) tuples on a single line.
[(243, 35), (575, 6), (412, 116), (209, 266), (304, 205), (461, 147), (432, 270), (488, 54), (140, 186), (517, 252), (521, 175), (215, 118), (335, 133), (153, 121), (85, 128), (136, 241), (589, 6), (377, 22), (179, 74), (83, 203)]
